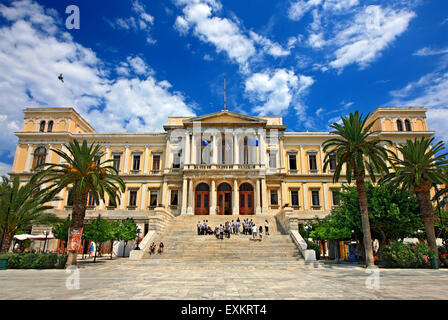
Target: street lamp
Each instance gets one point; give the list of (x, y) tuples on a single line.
[(45, 241), (138, 238)]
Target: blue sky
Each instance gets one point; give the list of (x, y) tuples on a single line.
[(133, 63)]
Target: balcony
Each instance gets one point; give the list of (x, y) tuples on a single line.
[(222, 166)]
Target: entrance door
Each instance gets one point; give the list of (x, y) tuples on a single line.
[(246, 199), (201, 206), (224, 199)]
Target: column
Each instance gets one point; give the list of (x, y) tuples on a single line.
[(29, 158), (262, 149), (126, 156), (325, 196), (122, 200), (321, 159), (165, 194), (302, 159), (236, 150), (190, 197), (264, 200), (281, 153), (193, 149), (63, 149), (184, 196), (48, 158), (236, 207), (168, 154), (215, 150), (257, 197), (107, 155), (143, 197), (305, 197), (213, 198), (187, 150), (284, 196), (145, 168)]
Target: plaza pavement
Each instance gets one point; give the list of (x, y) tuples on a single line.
[(170, 279)]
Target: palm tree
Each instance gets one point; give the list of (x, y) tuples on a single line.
[(21, 207), (422, 166), (84, 174), (356, 147)]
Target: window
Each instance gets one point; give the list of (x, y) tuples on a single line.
[(70, 198), (50, 126), (295, 198), (315, 198), (292, 162), (112, 203), (133, 198), (98, 159), (272, 160), (336, 200), (42, 126), (407, 125), (116, 162), (153, 199), (312, 162), (274, 197), (176, 159), (40, 154), (332, 162), (156, 162), (91, 200), (174, 197), (136, 162), (399, 125)]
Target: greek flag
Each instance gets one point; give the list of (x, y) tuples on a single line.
[(252, 142), (205, 142)]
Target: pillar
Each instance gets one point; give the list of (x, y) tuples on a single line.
[(122, 199), (29, 158), (190, 197), (165, 194), (215, 150), (325, 196), (143, 197), (262, 149), (281, 153), (187, 151), (194, 149), (302, 160), (145, 168), (236, 207), (236, 150), (184, 196), (257, 197), (126, 156), (305, 197), (48, 158), (284, 196), (213, 197), (168, 154), (264, 200)]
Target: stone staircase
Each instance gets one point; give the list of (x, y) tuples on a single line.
[(182, 243)]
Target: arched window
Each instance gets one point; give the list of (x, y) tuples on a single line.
[(202, 187), (40, 155), (50, 126), (407, 125), (224, 187), (246, 187), (399, 125), (42, 126)]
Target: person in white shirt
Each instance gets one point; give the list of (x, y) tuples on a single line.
[(254, 232), (266, 227)]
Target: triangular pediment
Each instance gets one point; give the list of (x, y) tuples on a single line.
[(225, 116)]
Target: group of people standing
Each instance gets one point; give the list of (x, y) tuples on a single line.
[(233, 227)]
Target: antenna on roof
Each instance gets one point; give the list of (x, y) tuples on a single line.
[(225, 93)]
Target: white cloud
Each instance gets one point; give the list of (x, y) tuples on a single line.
[(142, 21), (277, 90), (339, 5), (430, 52), (33, 53), (298, 9), (270, 47), (5, 169), (371, 31)]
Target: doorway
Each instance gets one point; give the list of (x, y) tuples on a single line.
[(246, 199), (224, 199), (202, 194)]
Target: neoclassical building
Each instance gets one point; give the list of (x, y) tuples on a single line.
[(218, 163)]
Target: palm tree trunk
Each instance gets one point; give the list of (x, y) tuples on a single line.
[(427, 214), (6, 242), (362, 200), (78, 214)]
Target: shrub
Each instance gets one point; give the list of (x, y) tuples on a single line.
[(315, 247), (32, 260), (443, 256), (401, 255), (62, 259)]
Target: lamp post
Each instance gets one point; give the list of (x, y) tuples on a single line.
[(45, 241), (138, 238)]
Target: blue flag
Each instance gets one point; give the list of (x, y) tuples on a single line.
[(205, 142), (252, 142)]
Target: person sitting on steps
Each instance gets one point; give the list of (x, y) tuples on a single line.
[(152, 248), (161, 246)]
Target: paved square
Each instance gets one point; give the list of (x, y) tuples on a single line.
[(170, 279)]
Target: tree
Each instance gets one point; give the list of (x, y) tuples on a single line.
[(81, 172), (422, 166), (127, 231), (98, 231), (60, 230), (24, 206), (356, 147)]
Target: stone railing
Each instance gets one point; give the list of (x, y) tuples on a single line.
[(290, 224)]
